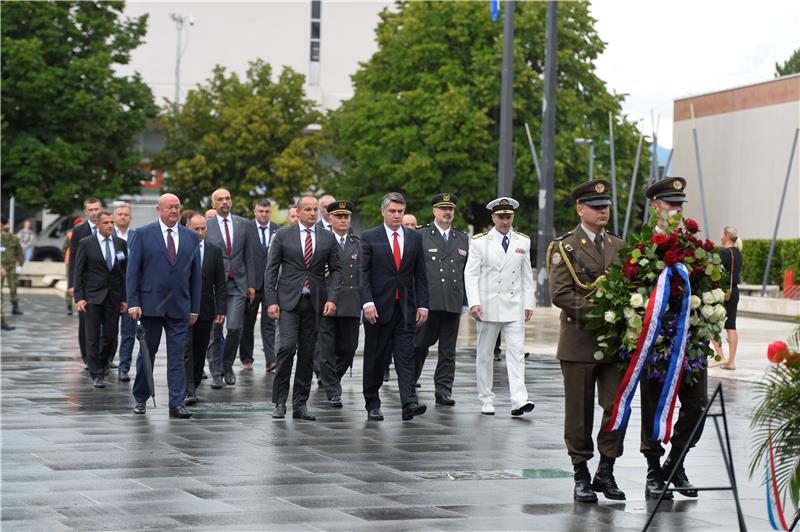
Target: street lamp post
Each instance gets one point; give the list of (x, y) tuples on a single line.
[(590, 143), (179, 20)]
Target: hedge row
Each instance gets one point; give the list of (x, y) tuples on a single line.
[(755, 252)]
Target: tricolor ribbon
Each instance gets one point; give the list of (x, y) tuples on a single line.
[(774, 508), (651, 327)]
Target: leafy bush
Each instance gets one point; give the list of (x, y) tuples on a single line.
[(755, 253)]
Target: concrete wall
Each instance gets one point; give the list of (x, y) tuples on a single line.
[(745, 137)]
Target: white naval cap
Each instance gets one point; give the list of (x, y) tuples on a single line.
[(503, 205)]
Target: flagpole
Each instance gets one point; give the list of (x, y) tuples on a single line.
[(505, 168)]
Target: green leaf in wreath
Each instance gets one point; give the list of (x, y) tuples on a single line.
[(636, 254), (700, 253), (660, 265), (598, 355)]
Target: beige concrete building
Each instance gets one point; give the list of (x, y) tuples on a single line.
[(745, 137)]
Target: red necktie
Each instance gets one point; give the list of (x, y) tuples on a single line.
[(307, 255), (396, 251), (227, 237), (173, 256)]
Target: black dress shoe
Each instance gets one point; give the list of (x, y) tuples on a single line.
[(280, 411), (301, 412), (123, 377), (375, 415), (98, 382), (140, 408), (181, 412), (216, 382), (445, 400), (386, 375), (5, 326), (583, 491), (413, 409), (190, 400), (230, 377), (336, 401), (679, 479), (527, 407)]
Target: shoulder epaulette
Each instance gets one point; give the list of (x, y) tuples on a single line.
[(354, 237), (562, 237), (459, 231), (522, 234), (478, 235), (423, 226)]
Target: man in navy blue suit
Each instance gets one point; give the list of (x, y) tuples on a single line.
[(393, 286), (163, 283)]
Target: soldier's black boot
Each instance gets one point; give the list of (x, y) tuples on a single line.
[(15, 309), (5, 326), (679, 479), (605, 482), (583, 484), (655, 479)]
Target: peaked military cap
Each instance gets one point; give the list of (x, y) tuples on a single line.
[(503, 205), (670, 189), (340, 207), (444, 200), (595, 193)]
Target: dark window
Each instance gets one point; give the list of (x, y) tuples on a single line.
[(316, 7), (315, 50), (315, 29)]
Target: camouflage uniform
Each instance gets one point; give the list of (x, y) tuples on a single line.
[(10, 254)]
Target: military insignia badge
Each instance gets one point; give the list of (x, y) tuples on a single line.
[(599, 188), (446, 197), (342, 205), (503, 201), (556, 259), (583, 240), (677, 185), (462, 252)]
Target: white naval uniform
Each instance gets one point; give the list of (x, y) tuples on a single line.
[(502, 284)]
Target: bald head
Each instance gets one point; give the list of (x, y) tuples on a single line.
[(169, 209), (221, 202), (324, 201)]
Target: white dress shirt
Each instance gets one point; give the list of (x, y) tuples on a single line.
[(120, 234), (102, 240), (400, 238), (174, 228)]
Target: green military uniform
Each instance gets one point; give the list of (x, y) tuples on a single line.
[(10, 255)]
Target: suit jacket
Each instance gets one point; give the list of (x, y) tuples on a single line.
[(575, 343), (287, 272), (93, 281), (379, 278), (240, 259), (501, 282), (259, 254), (213, 298), (162, 289), (79, 233), (348, 302), (445, 262)]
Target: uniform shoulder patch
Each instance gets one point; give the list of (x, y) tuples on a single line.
[(423, 226), (613, 234), (479, 235), (522, 235), (354, 237), (562, 237), (457, 231)]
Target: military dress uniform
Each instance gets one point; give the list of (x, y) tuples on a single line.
[(575, 261), (693, 398), (499, 278), (445, 258), (337, 339), (11, 253)]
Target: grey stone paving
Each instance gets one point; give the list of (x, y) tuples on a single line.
[(78, 458)]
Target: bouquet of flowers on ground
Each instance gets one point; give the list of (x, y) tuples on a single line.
[(658, 313)]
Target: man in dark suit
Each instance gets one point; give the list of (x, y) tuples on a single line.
[(296, 293), (229, 232), (393, 286), (99, 289), (446, 250), (91, 208), (127, 327), (163, 285), (212, 307), (260, 233), (338, 335)]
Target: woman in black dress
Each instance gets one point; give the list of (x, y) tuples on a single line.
[(731, 255)]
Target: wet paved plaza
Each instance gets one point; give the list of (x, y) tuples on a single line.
[(76, 458)]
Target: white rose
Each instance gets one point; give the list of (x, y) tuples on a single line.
[(694, 320), (705, 333), (632, 335), (628, 313), (637, 301), (610, 316), (719, 295), (695, 302), (707, 311), (708, 298), (720, 312), (635, 323)]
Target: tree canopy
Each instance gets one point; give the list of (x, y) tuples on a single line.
[(252, 136), (790, 66), (68, 118), (424, 117)]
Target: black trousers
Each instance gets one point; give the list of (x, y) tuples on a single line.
[(337, 342), (267, 328), (82, 334), (382, 340), (442, 326), (693, 400), (194, 353), (298, 330), (101, 325)]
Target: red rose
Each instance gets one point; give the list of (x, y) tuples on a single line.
[(676, 289), (674, 241), (708, 245), (671, 257), (777, 352), (630, 270), (691, 225), (660, 239), (641, 246), (697, 273)]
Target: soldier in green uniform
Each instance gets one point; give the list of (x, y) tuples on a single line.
[(668, 196), (11, 252), (575, 261)]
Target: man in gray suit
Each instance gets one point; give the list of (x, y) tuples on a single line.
[(229, 232), (297, 295), (259, 235)]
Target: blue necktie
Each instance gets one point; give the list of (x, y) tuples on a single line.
[(264, 238), (109, 262), (505, 244), (94, 231)]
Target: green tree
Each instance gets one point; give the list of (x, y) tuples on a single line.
[(790, 66), (251, 136), (68, 119), (425, 113)]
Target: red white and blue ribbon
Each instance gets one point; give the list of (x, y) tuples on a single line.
[(662, 422), (651, 326), (774, 508)]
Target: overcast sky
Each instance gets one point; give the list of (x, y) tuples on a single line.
[(657, 50)]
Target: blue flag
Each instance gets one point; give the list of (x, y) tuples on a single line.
[(495, 6)]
